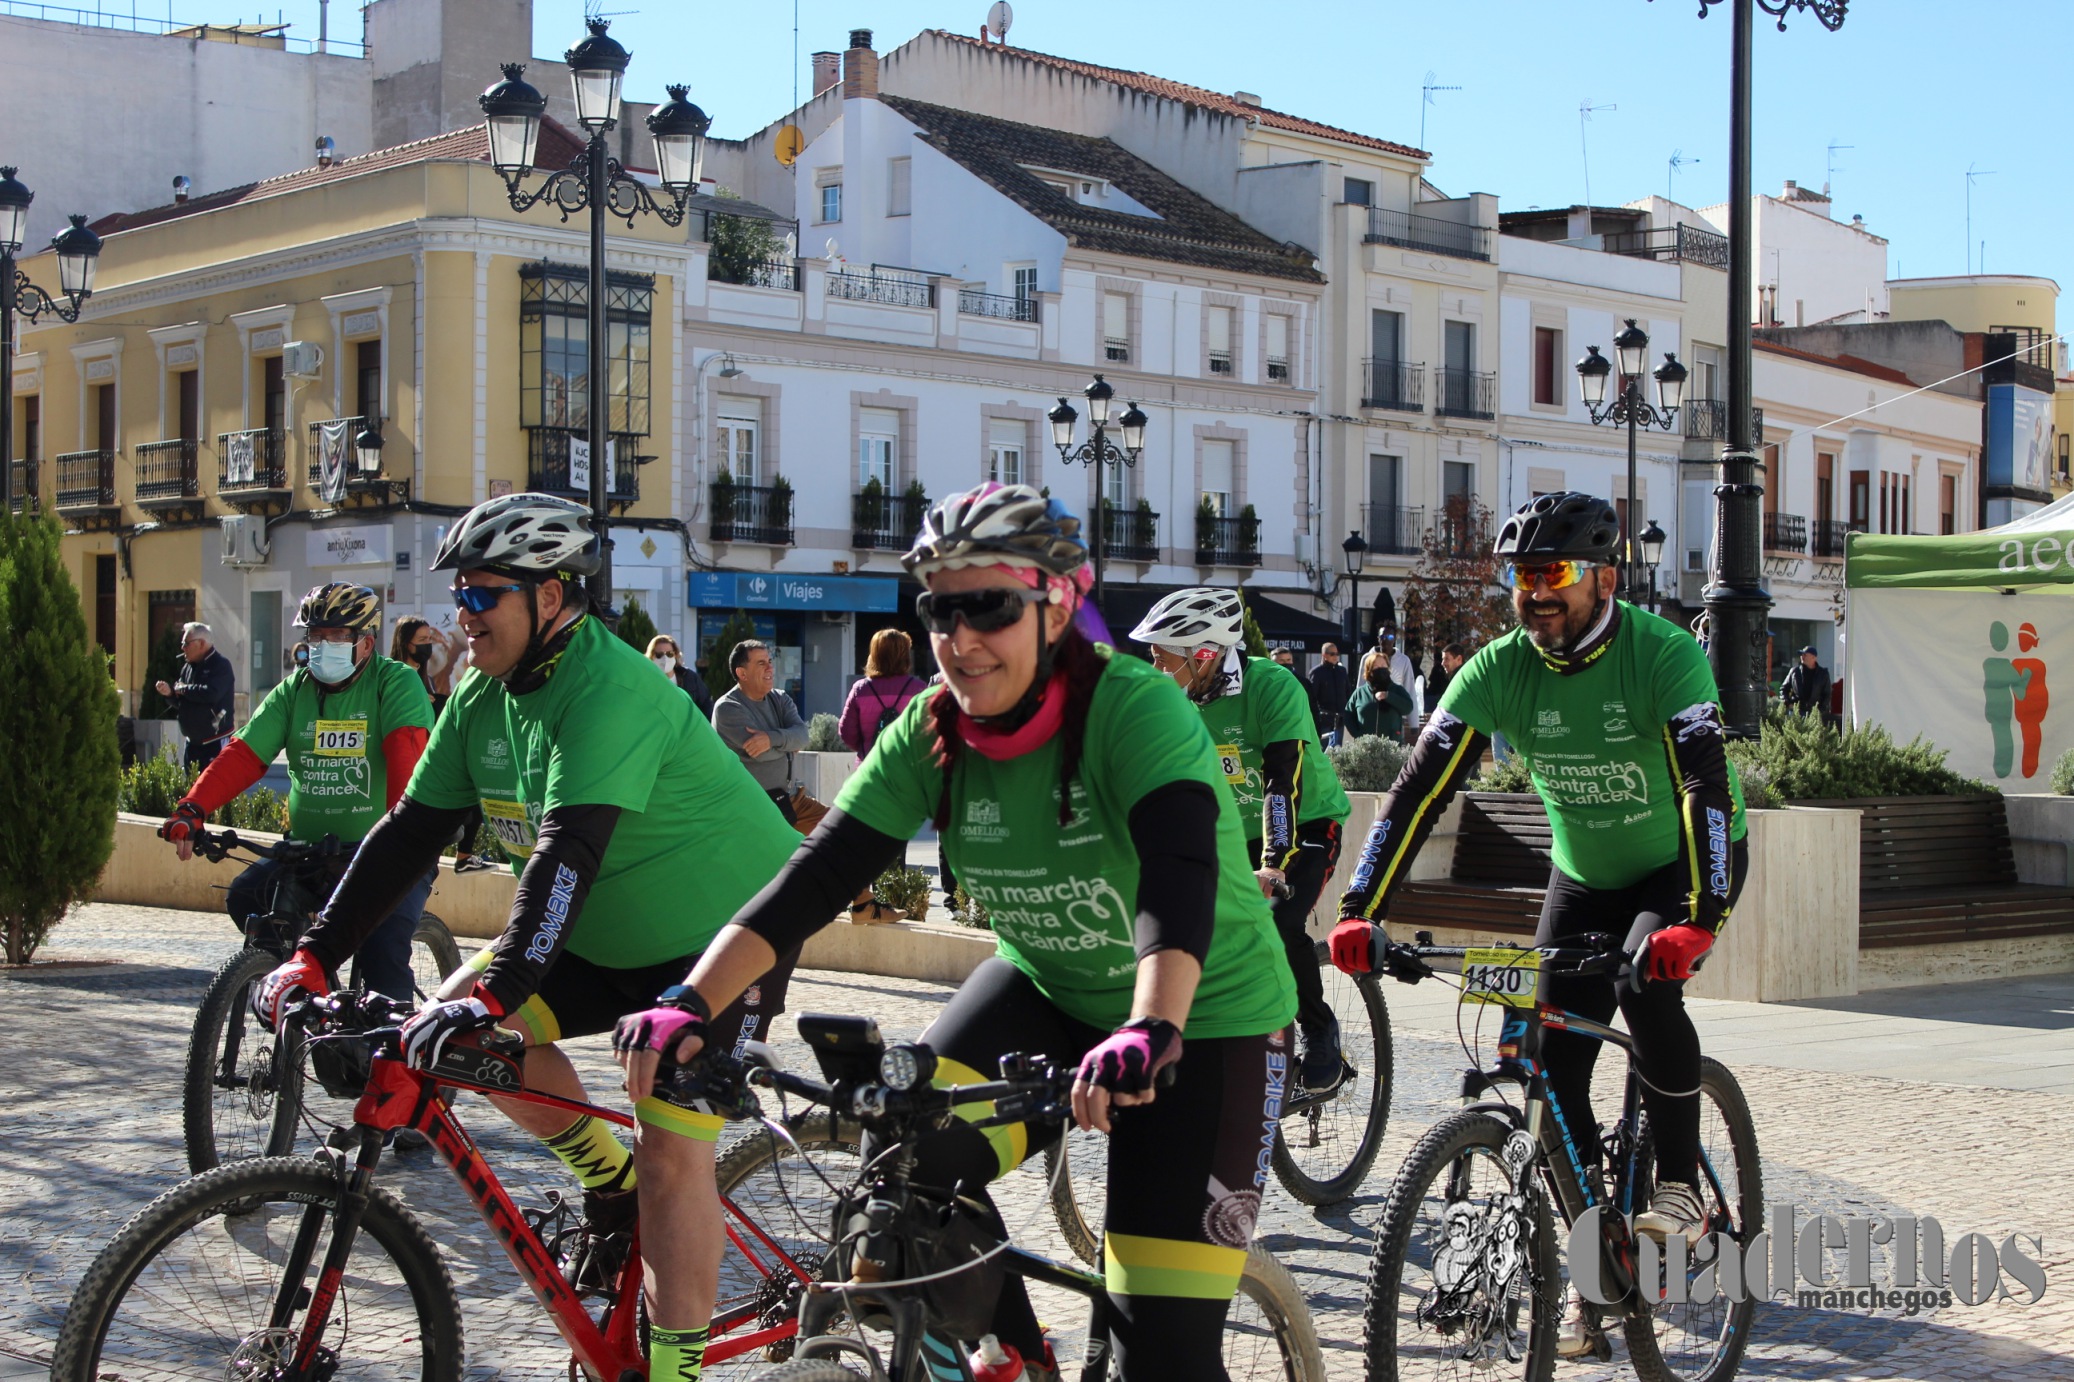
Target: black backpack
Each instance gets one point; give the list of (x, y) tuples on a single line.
[(887, 713)]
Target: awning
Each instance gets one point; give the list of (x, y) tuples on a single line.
[(1280, 624)]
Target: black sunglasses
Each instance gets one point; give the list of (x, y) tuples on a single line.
[(984, 611), (481, 599)]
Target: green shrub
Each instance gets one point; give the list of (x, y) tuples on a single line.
[(2063, 774), (635, 627), (1754, 775), (966, 910), (1801, 759), (153, 787), (1368, 764), (61, 767), (905, 888), (1510, 776), (739, 628), (261, 808), (822, 736), (163, 665)]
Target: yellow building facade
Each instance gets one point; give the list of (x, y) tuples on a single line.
[(179, 430)]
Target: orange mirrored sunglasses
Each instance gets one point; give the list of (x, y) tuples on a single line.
[(1555, 575)]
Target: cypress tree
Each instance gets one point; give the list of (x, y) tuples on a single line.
[(635, 626), (61, 768), (1255, 641)]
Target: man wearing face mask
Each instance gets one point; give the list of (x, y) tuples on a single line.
[(353, 724)]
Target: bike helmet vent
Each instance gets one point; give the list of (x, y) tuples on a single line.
[(527, 535), (1010, 525), (1558, 527), (1202, 617)]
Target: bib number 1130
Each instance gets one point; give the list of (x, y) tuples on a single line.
[(1506, 978)]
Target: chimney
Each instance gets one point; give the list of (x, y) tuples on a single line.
[(860, 68), (1245, 98), (181, 184), (327, 147), (828, 70), (1792, 190)]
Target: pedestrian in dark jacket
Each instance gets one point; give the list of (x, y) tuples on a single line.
[(1378, 705), (884, 690), (1806, 688), (1329, 690), (204, 695), (669, 660)]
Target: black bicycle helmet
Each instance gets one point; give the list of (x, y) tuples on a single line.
[(1568, 526), (339, 605)]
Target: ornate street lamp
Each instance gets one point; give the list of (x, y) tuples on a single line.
[(1738, 605), (1652, 539), (1098, 451), (1355, 552), (79, 252), (367, 447), (1632, 348), (594, 181)]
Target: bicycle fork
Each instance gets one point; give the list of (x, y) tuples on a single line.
[(345, 1214)]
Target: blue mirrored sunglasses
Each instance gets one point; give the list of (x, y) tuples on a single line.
[(481, 599)]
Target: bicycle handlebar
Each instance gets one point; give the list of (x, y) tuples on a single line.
[(1031, 1088), (1596, 953), (216, 845)]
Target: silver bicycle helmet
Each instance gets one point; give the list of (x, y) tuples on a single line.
[(1012, 525), (1194, 619), (526, 535)]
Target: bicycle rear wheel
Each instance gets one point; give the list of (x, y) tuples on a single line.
[(187, 1289), (1269, 1333), (433, 955), (233, 1102), (1464, 1280), (1324, 1148), (1703, 1341)]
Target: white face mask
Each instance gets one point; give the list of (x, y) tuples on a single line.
[(331, 663), (665, 662)]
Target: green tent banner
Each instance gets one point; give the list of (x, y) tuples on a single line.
[(1997, 559)]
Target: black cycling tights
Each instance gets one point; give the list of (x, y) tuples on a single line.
[(1186, 1172), (1667, 1048), (1316, 856)]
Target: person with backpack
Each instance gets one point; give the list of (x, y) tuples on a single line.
[(877, 698)]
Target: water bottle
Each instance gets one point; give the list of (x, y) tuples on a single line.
[(994, 1361)]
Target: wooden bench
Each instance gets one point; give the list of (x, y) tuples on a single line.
[(1938, 870), (1499, 874)]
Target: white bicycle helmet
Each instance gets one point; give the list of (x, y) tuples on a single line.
[(532, 536), (1008, 525), (1195, 620)]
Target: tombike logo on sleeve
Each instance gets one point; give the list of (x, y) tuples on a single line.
[(558, 902), (1717, 850)]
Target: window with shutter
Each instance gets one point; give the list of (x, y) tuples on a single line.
[(1278, 349), (878, 441), (1220, 340), (1116, 327)]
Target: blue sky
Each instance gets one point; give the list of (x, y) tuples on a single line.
[(1920, 89)]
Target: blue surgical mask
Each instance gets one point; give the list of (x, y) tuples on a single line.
[(331, 663)]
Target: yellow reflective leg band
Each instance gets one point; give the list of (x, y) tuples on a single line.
[(534, 1019), (1011, 1141), (1171, 1267), (659, 1113)]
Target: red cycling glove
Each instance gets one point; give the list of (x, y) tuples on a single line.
[(1352, 946), (1671, 953), (301, 974), (185, 823)]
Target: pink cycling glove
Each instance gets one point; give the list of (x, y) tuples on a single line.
[(1129, 1060)]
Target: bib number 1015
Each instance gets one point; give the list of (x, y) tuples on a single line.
[(1506, 978)]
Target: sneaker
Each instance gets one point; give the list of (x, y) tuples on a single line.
[(1674, 1211), (1578, 1335), (603, 1241), (1322, 1067), (470, 863), (875, 913)]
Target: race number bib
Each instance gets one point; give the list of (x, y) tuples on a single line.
[(341, 739), (513, 825), (1504, 977), (1232, 764)]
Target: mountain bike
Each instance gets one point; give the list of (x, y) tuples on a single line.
[(919, 1262), (242, 1095), (1465, 1273), (294, 1269)]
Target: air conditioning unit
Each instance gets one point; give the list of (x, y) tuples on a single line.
[(244, 540), (302, 359)]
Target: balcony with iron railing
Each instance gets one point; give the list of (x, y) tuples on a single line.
[(1706, 419), (251, 461), (780, 273), (168, 473), (549, 469), (1395, 531), (1828, 538), (752, 513), (1407, 231), (354, 427), (23, 489), (1786, 534), (890, 287), (1681, 244), (1130, 534), (1221, 541), (1464, 393), (86, 482), (1393, 385), (885, 522), (974, 303)]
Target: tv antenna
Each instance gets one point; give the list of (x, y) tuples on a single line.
[(1426, 99), (1584, 115), (1973, 174), (1676, 161), (998, 19), (1829, 171)]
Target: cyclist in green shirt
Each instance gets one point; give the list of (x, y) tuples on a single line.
[(1079, 798), (1617, 716), (353, 724), (1286, 789), (609, 790)]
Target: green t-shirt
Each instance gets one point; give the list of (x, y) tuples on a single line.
[(1598, 742), (338, 780), (1271, 706), (1063, 898), (696, 837)]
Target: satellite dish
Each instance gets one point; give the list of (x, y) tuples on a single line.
[(998, 20), (790, 143)]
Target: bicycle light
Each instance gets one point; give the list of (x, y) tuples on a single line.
[(906, 1067)]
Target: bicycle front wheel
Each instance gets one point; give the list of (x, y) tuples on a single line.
[(234, 1104), (433, 955), (1269, 1333), (188, 1289), (1703, 1340), (1325, 1147), (1465, 1277)]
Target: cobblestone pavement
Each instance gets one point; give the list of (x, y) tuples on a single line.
[(89, 1105)]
